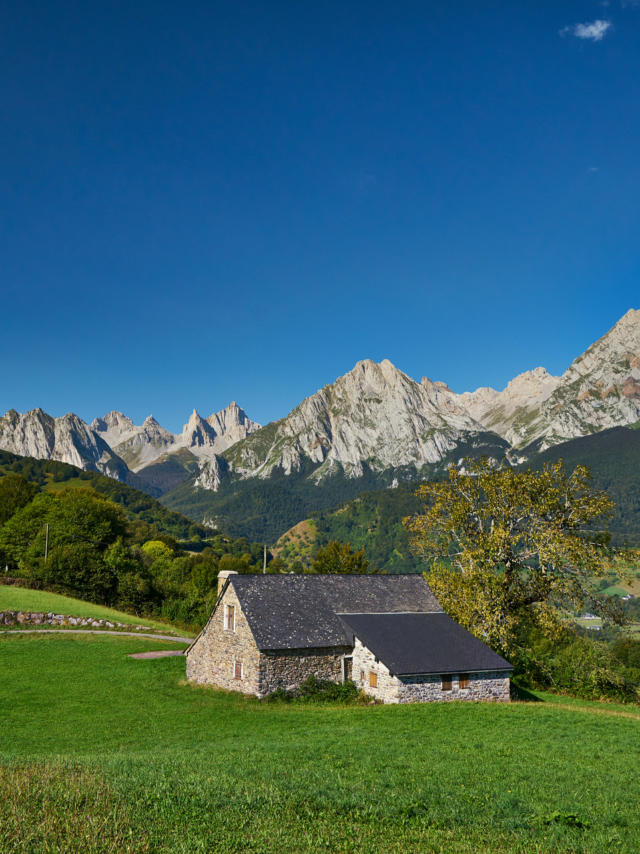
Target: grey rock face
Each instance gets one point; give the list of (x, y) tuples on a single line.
[(231, 425), (67, 439), (375, 414), (142, 445), (600, 389)]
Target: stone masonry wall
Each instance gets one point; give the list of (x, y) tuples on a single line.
[(424, 689), (289, 668), (211, 659), (364, 663), (492, 686)]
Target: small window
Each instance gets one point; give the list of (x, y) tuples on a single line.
[(463, 681), (230, 618), (237, 669), (373, 679), (363, 675), (447, 683)]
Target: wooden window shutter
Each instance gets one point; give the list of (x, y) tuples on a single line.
[(237, 670), (373, 679), (447, 682), (463, 681), (230, 618)]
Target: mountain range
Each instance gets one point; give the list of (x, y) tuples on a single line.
[(375, 426)]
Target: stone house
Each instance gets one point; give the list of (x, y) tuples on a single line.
[(387, 633)]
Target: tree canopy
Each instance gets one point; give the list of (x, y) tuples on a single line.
[(339, 558), (509, 549)]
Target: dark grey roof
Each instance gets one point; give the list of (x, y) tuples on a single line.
[(300, 611), (411, 644)]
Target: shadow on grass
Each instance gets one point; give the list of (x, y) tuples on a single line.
[(522, 695)]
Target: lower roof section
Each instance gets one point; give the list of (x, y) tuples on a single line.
[(422, 644)]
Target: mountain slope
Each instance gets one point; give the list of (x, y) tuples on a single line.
[(599, 390), (375, 415), (142, 446), (263, 508), (67, 439), (137, 505), (373, 520)]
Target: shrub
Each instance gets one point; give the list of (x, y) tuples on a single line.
[(314, 690)]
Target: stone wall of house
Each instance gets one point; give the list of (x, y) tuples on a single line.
[(289, 668), (424, 689), (212, 658), (364, 664), (492, 686)]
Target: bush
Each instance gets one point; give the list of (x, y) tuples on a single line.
[(314, 690), (578, 667)]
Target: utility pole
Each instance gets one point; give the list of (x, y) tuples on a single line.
[(46, 542), (264, 560)]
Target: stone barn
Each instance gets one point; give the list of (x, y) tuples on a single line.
[(387, 633)]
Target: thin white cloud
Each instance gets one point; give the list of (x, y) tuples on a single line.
[(594, 31)]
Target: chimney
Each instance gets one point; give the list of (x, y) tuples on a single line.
[(222, 577)]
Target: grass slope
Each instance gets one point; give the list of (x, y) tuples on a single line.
[(22, 599), (104, 753)]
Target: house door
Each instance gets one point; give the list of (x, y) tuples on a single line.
[(347, 667)]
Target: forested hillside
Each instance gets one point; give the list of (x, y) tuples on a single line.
[(265, 508), (373, 520), (614, 459), (138, 506), (84, 535)]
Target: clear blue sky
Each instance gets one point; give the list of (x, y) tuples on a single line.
[(206, 201)]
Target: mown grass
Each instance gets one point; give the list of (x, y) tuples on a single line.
[(22, 599), (165, 766)]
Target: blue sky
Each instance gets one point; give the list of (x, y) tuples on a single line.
[(211, 201)]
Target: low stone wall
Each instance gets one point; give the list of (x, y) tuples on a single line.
[(37, 618), (288, 669)]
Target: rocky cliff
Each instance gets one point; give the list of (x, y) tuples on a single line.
[(600, 389), (140, 446), (374, 415), (67, 439)]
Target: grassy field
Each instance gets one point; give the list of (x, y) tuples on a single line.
[(103, 753), (21, 599)]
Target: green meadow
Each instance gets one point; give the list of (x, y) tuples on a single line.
[(103, 753)]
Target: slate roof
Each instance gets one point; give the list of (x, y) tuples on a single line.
[(300, 611), (412, 644)]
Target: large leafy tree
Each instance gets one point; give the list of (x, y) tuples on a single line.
[(507, 548), (15, 492), (339, 558)]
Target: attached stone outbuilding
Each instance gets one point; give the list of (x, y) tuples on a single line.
[(386, 632)]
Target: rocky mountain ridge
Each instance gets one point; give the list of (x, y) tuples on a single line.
[(67, 439), (599, 390), (375, 418), (113, 444), (374, 415)]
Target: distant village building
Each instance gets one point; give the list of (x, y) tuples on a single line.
[(387, 633)]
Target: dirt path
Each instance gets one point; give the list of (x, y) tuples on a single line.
[(157, 653), (93, 632)]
